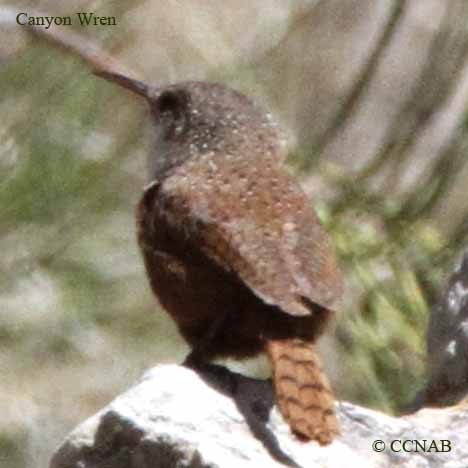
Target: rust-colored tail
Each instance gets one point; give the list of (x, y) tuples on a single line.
[(303, 393)]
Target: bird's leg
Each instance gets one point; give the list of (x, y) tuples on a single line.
[(254, 398), (198, 360), (201, 352)]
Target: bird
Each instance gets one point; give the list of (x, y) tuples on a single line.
[(233, 249)]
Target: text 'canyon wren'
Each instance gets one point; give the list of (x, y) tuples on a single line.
[(233, 249)]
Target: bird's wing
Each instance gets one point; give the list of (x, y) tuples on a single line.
[(260, 225)]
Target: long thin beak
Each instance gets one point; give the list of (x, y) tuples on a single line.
[(136, 86)]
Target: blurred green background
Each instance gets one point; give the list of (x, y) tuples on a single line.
[(374, 96)]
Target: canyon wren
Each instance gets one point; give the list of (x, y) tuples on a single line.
[(233, 249)]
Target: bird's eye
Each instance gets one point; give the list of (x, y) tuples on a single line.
[(172, 101), (173, 104)]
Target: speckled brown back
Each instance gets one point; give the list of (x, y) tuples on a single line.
[(254, 219)]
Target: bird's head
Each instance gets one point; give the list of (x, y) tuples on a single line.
[(193, 118)]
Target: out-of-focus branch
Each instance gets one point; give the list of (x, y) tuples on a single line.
[(414, 112), (91, 53), (349, 103)]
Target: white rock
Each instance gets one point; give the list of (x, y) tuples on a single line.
[(172, 418)]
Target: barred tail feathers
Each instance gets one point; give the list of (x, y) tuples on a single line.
[(303, 394)]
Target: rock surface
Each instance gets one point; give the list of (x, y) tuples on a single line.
[(173, 418)]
